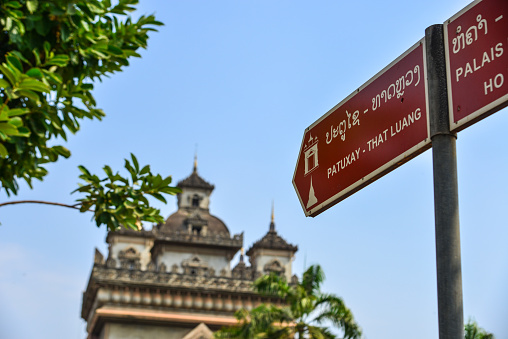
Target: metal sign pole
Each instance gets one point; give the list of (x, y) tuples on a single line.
[(446, 201)]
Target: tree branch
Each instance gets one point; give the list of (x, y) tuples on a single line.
[(75, 206)]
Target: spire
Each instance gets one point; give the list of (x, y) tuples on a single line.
[(194, 180), (272, 222), (271, 240), (195, 162)]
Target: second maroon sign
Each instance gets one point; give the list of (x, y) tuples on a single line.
[(374, 130), (477, 58)]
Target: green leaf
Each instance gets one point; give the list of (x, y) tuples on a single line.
[(43, 27), (31, 5), (3, 151), (57, 11), (167, 181), (16, 121), (65, 33), (10, 93), (29, 94), (20, 57), (60, 60), (85, 206), (8, 128), (3, 136), (35, 52), (84, 170), (4, 83), (57, 78), (157, 180), (145, 170), (62, 151), (71, 10), (8, 24), (131, 170), (130, 204), (11, 76), (115, 50), (14, 62), (158, 197), (87, 87), (33, 85), (13, 4), (171, 190), (4, 114), (47, 48), (108, 171), (34, 72), (23, 131), (18, 111), (135, 162), (129, 53), (85, 25)]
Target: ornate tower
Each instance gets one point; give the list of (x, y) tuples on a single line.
[(175, 281), (193, 241), (272, 254)]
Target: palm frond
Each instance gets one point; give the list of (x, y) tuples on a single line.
[(473, 331), (312, 279), (272, 285), (316, 332), (305, 307)]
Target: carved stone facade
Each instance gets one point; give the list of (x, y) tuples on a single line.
[(175, 281)]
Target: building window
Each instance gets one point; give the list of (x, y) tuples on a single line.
[(274, 266), (196, 230), (195, 200)]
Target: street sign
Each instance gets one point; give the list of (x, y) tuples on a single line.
[(476, 49), (374, 130)]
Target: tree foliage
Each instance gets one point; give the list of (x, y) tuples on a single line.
[(304, 313), (51, 52), (118, 200), (473, 331)]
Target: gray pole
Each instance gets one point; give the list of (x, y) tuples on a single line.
[(446, 201)]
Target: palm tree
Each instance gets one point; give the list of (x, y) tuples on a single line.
[(473, 331), (305, 311)]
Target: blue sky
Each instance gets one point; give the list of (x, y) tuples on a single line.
[(242, 80)]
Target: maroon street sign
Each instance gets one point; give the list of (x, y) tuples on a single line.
[(374, 130), (476, 49)]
